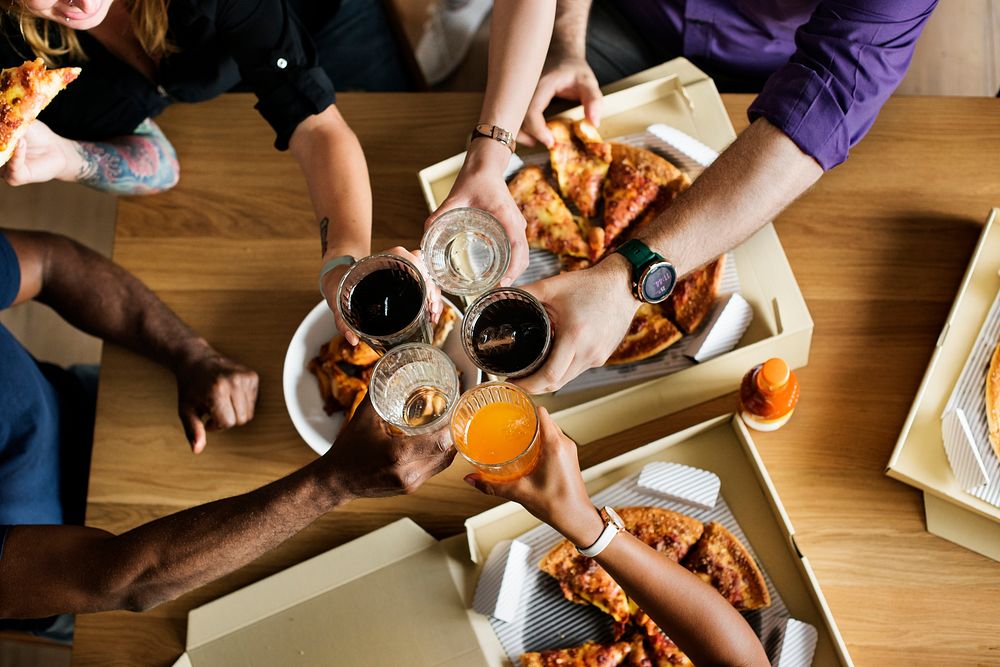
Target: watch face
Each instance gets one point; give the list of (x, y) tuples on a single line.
[(658, 282)]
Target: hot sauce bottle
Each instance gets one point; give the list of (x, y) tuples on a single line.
[(768, 395)]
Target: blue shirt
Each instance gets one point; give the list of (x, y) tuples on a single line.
[(30, 475), (831, 64)]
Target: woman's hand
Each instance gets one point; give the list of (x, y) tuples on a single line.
[(480, 184), (42, 155), (570, 78), (554, 491), (331, 281)]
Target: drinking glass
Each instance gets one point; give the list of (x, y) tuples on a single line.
[(466, 251), (400, 290), (414, 387), (507, 333), (495, 427)]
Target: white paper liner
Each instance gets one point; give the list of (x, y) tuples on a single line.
[(969, 396), (669, 143), (676, 481), (797, 646), (547, 620)]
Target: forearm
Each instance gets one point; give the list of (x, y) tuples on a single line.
[(140, 163), (749, 184), (569, 36), (336, 174), (699, 620), (160, 560)]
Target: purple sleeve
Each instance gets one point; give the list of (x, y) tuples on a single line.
[(849, 58)]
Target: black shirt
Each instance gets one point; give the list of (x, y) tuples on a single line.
[(220, 43)]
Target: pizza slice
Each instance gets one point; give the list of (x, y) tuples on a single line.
[(627, 193), (665, 196), (585, 582), (659, 650), (551, 226), (649, 333), (24, 92), (589, 654), (695, 294), (580, 160), (670, 533), (993, 400), (721, 560)]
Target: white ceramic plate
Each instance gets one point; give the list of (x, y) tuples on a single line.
[(302, 397)]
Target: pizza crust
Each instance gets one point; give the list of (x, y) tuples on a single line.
[(24, 92), (723, 562), (993, 400)]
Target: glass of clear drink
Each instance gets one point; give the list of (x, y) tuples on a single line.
[(466, 251), (414, 387), (383, 300)]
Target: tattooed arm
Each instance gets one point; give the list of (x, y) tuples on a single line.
[(140, 163)]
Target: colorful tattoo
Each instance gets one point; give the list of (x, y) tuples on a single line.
[(141, 163), (323, 225)]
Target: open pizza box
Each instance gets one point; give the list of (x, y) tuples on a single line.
[(678, 95), (397, 596), (919, 458)]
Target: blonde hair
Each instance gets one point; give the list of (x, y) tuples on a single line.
[(50, 40)]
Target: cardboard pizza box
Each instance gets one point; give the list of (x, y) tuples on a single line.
[(398, 596), (919, 457), (680, 95), (724, 447)]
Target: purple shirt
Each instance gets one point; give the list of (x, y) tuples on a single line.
[(832, 65)]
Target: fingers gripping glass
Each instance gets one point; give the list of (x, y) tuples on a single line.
[(495, 427), (383, 300), (414, 387)]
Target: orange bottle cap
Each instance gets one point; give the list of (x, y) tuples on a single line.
[(774, 374)]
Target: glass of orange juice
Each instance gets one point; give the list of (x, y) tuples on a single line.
[(495, 427)]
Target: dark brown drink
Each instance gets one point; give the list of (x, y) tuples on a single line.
[(507, 333), (385, 301)]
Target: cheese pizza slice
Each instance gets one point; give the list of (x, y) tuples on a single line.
[(24, 92), (583, 581), (694, 295), (627, 193), (721, 560), (589, 654), (551, 226), (580, 160), (650, 333)]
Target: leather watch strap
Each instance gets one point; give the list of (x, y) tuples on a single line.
[(495, 132)]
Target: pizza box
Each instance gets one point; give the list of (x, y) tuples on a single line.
[(723, 446), (919, 457), (397, 596), (680, 95)]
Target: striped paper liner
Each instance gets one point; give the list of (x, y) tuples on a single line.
[(730, 319), (676, 481), (499, 589), (546, 620), (669, 143), (963, 455), (969, 396), (797, 646)]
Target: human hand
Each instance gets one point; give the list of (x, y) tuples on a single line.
[(214, 393), (40, 156), (568, 77), (591, 311), (480, 184), (331, 283), (371, 459), (554, 491)]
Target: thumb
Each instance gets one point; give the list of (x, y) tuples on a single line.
[(478, 482), (194, 429)]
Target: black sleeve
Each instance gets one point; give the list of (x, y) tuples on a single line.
[(278, 60)]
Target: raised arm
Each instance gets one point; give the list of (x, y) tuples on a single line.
[(699, 620), (140, 163), (519, 36), (101, 298), (47, 570)]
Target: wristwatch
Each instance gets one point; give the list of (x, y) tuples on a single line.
[(653, 278), (613, 524), (496, 133)]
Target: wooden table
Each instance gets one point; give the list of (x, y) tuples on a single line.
[(878, 247)]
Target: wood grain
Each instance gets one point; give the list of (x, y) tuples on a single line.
[(878, 247)]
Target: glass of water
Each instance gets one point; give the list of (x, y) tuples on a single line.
[(466, 251), (414, 387)]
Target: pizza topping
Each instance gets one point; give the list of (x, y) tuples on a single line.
[(580, 161), (24, 92)]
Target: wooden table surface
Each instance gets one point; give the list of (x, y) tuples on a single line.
[(879, 247)]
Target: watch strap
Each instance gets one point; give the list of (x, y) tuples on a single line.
[(638, 254), (495, 132), (613, 524), (342, 260)]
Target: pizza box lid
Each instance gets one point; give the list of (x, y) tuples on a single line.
[(919, 457), (395, 596), (723, 446), (680, 95)]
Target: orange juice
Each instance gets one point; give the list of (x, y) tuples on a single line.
[(499, 432)]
